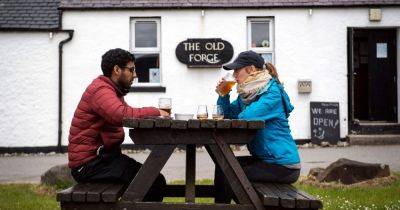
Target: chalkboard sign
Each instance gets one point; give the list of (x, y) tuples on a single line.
[(325, 123), (203, 53)]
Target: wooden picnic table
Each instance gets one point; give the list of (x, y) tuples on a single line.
[(216, 135), (165, 135)]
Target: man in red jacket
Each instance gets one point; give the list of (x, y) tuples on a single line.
[(96, 133)]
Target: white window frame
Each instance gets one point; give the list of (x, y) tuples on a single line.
[(262, 50), (146, 50)]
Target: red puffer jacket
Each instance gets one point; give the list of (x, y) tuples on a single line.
[(98, 121)]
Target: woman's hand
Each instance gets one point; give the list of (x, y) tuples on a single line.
[(220, 86)]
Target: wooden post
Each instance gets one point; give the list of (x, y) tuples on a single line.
[(149, 171), (190, 173), (234, 173)]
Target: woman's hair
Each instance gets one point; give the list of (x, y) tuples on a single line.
[(272, 71)]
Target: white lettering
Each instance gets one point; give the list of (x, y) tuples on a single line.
[(197, 57), (316, 110), (209, 58), (208, 46), (324, 122), (203, 57), (221, 46), (192, 46), (214, 46), (331, 111), (186, 45)]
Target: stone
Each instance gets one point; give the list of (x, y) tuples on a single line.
[(200, 149), (325, 144), (315, 171), (308, 145), (59, 176), (349, 171), (342, 144)]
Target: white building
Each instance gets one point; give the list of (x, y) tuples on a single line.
[(347, 50)]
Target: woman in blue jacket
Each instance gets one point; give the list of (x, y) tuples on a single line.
[(274, 156)]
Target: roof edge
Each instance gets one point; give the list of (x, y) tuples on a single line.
[(226, 7), (32, 30)]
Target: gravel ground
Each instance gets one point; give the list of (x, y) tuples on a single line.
[(28, 168)]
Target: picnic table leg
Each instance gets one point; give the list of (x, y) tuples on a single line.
[(219, 159), (149, 171), (241, 186), (190, 173)]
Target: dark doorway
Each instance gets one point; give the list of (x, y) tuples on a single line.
[(373, 75)]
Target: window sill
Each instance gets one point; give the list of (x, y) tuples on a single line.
[(148, 89)]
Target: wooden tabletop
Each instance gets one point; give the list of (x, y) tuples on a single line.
[(193, 123), (168, 131)]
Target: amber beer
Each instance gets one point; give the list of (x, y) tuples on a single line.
[(217, 117), (227, 86), (167, 109), (202, 116), (165, 104), (218, 112), (202, 112)]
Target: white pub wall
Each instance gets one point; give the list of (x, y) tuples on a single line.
[(306, 47), (29, 88)]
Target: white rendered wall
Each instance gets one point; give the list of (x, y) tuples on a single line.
[(29, 89), (306, 47)]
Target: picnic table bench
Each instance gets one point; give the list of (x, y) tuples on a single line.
[(165, 135)]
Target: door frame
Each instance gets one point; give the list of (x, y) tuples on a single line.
[(352, 123)]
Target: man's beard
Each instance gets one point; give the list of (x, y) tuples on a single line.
[(123, 84)]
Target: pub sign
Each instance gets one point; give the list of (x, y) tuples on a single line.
[(204, 53)]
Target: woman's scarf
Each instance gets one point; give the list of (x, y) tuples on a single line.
[(254, 83)]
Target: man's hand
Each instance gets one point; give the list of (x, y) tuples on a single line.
[(164, 113)]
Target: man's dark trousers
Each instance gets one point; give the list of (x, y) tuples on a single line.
[(116, 167)]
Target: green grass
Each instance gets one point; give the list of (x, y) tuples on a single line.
[(197, 200), (27, 196), (31, 196), (387, 197)]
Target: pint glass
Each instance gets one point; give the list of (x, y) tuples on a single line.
[(228, 84), (165, 104)]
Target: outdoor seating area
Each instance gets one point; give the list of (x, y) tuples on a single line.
[(165, 135), (200, 104)]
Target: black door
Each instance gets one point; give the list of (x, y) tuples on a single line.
[(374, 75)]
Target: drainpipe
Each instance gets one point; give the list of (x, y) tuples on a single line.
[(60, 53)]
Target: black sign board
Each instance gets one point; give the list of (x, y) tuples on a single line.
[(325, 123), (204, 52)]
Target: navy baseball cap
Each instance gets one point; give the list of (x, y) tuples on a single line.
[(246, 58)]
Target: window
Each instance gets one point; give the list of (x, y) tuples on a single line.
[(145, 45), (260, 37)]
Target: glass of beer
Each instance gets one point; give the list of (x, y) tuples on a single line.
[(202, 112), (218, 112), (165, 104), (228, 84)]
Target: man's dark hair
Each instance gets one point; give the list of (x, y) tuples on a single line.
[(114, 57)]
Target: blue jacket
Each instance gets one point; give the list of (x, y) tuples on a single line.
[(273, 144)]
